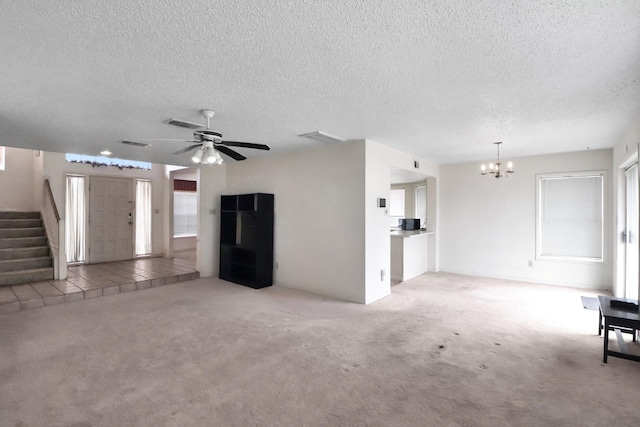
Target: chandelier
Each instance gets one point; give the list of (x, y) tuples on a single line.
[(494, 169)]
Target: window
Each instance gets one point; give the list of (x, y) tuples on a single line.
[(1, 158), (421, 204), (185, 213), (396, 206), (107, 161), (570, 217)]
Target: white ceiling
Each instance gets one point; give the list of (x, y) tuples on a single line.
[(440, 80)]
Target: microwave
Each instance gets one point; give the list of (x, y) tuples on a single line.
[(410, 224)]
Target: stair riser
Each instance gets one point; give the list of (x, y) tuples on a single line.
[(20, 223), (23, 242), (18, 277), (24, 252), (17, 265), (19, 215), (20, 232), (18, 253)]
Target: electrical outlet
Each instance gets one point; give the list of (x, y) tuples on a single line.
[(212, 211), (382, 274), (277, 265), (530, 263)]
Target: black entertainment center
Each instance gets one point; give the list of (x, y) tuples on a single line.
[(246, 239)]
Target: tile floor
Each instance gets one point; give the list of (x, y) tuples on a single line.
[(96, 280)]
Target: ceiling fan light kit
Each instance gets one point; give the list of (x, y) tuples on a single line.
[(494, 170), (197, 156), (207, 142)]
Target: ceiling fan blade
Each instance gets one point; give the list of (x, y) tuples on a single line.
[(189, 148), (246, 145), (229, 152)]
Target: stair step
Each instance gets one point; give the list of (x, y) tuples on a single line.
[(24, 264), (25, 252), (19, 215), (20, 223), (22, 242), (21, 232), (26, 276)]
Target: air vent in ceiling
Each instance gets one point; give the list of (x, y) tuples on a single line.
[(136, 143), (322, 136), (183, 124)]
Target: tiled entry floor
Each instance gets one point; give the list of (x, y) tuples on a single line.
[(96, 280)]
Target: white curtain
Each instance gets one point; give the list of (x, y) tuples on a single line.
[(143, 217), (75, 214)]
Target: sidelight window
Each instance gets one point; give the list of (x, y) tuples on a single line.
[(75, 209)]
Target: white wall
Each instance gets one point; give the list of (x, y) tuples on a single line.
[(185, 243), (17, 182), (319, 215), (55, 167), (488, 225), (380, 160), (211, 185), (330, 236), (37, 183), (625, 153)]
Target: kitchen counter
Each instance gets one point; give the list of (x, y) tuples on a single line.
[(409, 233), (409, 253)]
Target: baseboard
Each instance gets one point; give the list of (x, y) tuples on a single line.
[(526, 280)]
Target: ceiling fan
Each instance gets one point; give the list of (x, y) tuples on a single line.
[(209, 143)]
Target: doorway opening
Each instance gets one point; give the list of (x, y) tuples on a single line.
[(185, 215)]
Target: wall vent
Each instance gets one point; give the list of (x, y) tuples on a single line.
[(322, 136), (183, 124), (136, 143)]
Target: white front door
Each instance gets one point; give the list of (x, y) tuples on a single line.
[(110, 219)]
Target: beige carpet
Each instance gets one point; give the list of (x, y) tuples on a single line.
[(442, 350)]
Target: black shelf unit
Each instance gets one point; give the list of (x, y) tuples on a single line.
[(246, 239)]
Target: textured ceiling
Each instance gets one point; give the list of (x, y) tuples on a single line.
[(440, 79)]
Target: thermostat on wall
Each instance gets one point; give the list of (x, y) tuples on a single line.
[(382, 203)]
